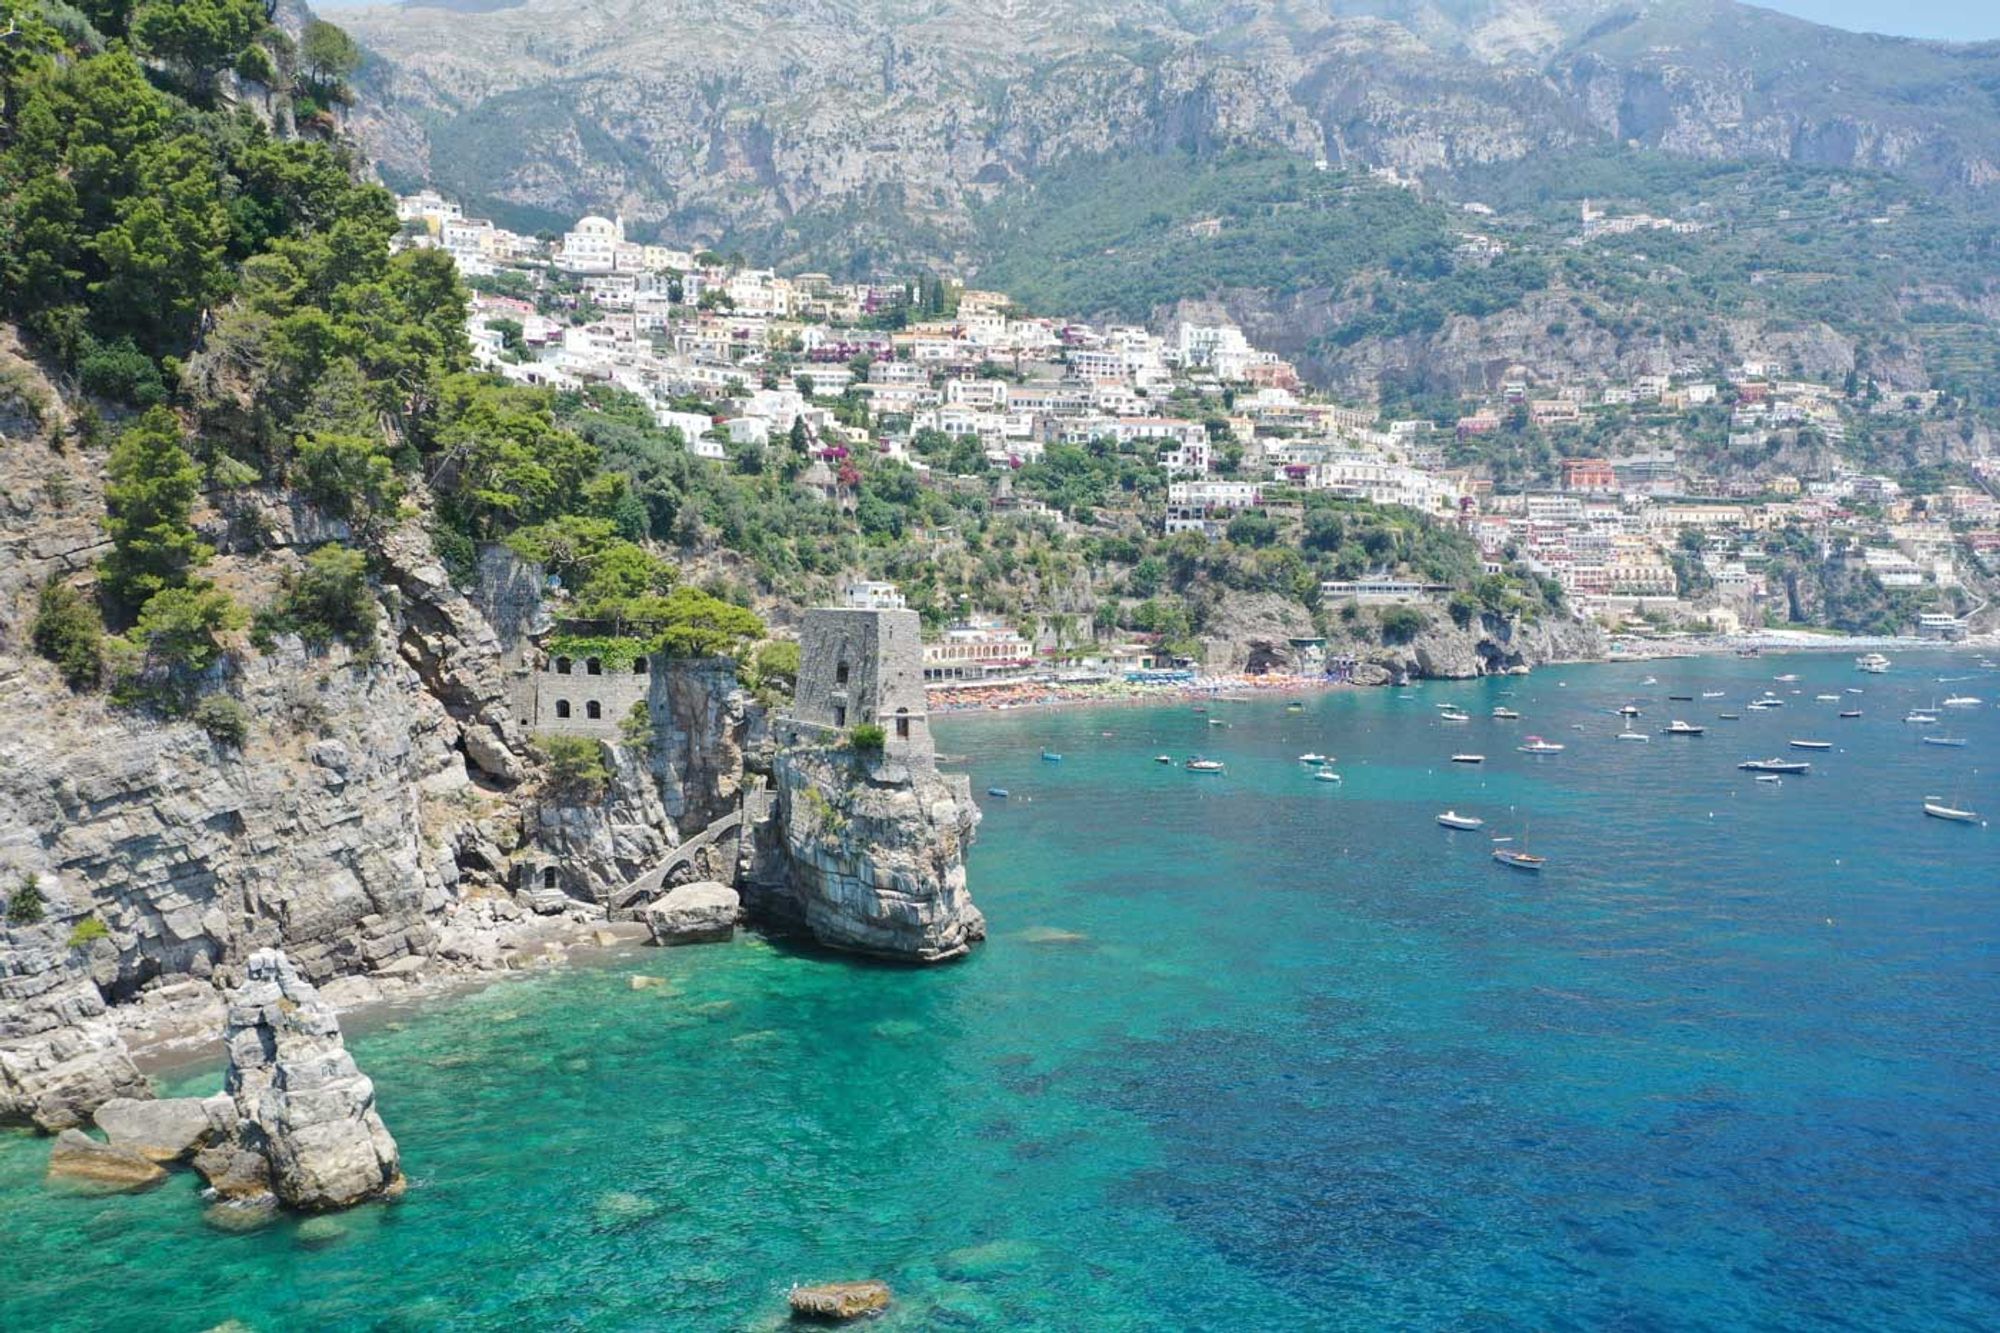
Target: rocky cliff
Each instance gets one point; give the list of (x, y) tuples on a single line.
[(867, 853), (1488, 645), (860, 126)]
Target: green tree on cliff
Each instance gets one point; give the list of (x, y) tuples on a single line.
[(149, 497)]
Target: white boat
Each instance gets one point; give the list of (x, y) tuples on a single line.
[(1454, 715), (1518, 860), (1633, 736), (1811, 745), (1827, 698), (1629, 710), (1787, 678), (1955, 742), (1650, 680), (1938, 810), (1536, 745), (1795, 766), (1962, 701), (1505, 714), (1313, 758), (1680, 728), (1468, 759), (1873, 663), (1761, 704), (1163, 759), (1711, 694), (1325, 775), (1205, 766), (1771, 778), (1453, 819), (1920, 717)]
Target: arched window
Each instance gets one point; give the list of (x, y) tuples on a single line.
[(638, 666), (840, 674), (593, 667), (548, 877), (562, 666), (593, 710), (902, 724), (562, 708)]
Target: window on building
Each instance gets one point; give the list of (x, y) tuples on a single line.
[(562, 708), (638, 666), (839, 715), (593, 667), (562, 666), (902, 724), (593, 709), (840, 674), (548, 877)]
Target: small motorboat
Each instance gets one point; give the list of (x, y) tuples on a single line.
[(1633, 736), (1163, 759), (1629, 710), (1827, 698), (1650, 680), (1730, 717), (1519, 860), (1680, 698), (1051, 757), (1921, 718), (1787, 678), (1711, 694), (1325, 775), (1937, 809), (1451, 714), (1873, 663), (1505, 714), (1759, 705), (1453, 819), (1205, 766), (1313, 758), (1000, 792), (1962, 701), (1217, 722), (1536, 745), (1771, 778), (1796, 767), (1680, 728), (1850, 712), (1468, 759), (1295, 708), (1955, 742), (1811, 745)]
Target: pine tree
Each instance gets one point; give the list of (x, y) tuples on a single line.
[(150, 496)]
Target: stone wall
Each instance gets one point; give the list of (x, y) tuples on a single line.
[(589, 696)]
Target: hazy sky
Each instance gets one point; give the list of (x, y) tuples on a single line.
[(1950, 20)]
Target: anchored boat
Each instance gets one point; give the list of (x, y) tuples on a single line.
[(1811, 745), (1536, 745), (1680, 728), (1798, 767), (1453, 819)]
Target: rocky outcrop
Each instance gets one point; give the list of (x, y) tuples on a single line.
[(61, 1058), (834, 1301), (170, 1129), (867, 854), (1488, 645), (81, 1161), (698, 913), (707, 731), (300, 1101)]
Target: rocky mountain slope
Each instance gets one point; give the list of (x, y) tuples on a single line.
[(892, 122)]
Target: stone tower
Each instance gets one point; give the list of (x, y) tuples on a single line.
[(861, 665)]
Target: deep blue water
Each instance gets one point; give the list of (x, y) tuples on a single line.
[(1244, 1052)]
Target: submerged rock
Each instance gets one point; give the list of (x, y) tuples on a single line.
[(698, 913), (840, 1300), (300, 1100), (169, 1129), (78, 1159), (240, 1215)]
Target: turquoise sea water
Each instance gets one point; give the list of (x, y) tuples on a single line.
[(1244, 1052)]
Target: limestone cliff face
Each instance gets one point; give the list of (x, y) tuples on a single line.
[(1488, 645), (868, 855)]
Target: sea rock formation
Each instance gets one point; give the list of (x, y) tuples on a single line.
[(840, 1300), (694, 914), (169, 1129), (1488, 644), (300, 1100), (77, 1159), (867, 853)]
